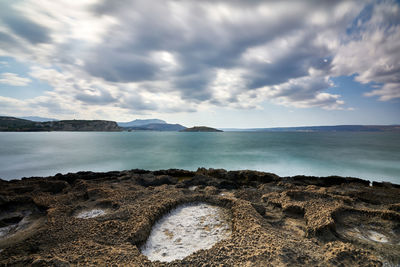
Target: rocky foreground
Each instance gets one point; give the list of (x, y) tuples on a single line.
[(288, 221)]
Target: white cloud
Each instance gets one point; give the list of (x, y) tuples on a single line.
[(13, 79), (387, 92), (304, 92), (374, 56)]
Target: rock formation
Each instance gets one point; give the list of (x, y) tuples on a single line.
[(200, 129), (276, 221)]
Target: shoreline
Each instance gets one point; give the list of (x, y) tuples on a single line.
[(299, 220)]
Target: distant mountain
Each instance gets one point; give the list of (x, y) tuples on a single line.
[(11, 124), (141, 122), (36, 118), (336, 128), (164, 127), (201, 129)]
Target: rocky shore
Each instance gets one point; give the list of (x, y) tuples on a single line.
[(99, 219)]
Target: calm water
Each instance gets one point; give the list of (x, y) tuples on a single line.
[(372, 156)]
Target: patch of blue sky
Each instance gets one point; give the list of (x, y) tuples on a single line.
[(33, 89), (366, 108), (358, 109), (358, 24), (365, 15)]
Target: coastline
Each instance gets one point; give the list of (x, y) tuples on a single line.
[(300, 220)]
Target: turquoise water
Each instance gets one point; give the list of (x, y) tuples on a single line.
[(372, 156)]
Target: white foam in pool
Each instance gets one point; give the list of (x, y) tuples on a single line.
[(186, 229), (377, 237), (7, 229), (90, 214), (15, 227)]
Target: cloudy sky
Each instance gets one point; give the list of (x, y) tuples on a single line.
[(222, 63)]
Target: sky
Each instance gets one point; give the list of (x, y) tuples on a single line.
[(220, 63)]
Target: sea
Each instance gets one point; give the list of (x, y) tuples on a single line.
[(373, 156)]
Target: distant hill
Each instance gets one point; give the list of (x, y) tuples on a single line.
[(201, 129), (11, 124), (336, 128), (39, 119), (164, 127), (140, 122)]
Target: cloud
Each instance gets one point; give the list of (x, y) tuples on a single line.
[(13, 79), (178, 56), (387, 92), (374, 55), (102, 97), (222, 36), (93, 94), (27, 29)]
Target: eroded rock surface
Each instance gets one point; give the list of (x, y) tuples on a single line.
[(91, 218)]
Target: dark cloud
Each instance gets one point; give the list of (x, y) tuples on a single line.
[(98, 99), (199, 45), (108, 6), (195, 86), (203, 40), (302, 90), (121, 67), (27, 29), (6, 40), (294, 64), (137, 103)]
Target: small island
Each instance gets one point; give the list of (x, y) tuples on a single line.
[(200, 129)]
